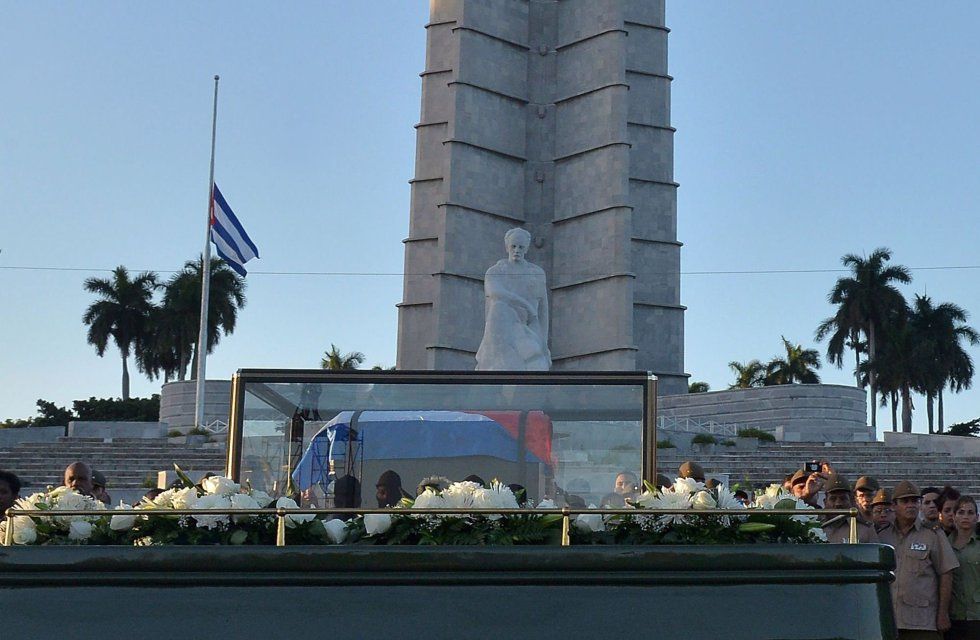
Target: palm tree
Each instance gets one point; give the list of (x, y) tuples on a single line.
[(174, 347), (899, 364), (865, 300), (748, 375), (120, 313), (939, 330), (844, 332), (960, 378), (798, 366), (334, 360)]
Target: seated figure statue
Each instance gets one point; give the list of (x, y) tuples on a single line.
[(516, 333)]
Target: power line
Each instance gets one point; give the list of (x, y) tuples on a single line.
[(717, 272)]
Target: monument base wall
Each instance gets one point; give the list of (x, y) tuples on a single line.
[(791, 412), (177, 402)]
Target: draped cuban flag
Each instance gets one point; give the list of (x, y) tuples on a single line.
[(229, 237)]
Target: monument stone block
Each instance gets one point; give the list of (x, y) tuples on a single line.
[(555, 117)]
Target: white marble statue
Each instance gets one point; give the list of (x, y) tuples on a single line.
[(516, 333)]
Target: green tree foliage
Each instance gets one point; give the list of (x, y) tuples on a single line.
[(969, 428), (334, 360), (128, 410), (797, 366), (96, 409), (121, 313), (864, 300), (698, 387), (940, 331), (173, 347), (748, 375)]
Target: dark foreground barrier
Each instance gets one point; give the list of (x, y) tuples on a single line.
[(754, 592)]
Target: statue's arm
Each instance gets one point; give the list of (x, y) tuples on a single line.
[(495, 287)]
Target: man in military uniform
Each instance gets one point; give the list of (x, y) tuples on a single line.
[(882, 510), (838, 528), (864, 491), (923, 586)]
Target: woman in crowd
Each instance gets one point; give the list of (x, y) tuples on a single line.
[(965, 610)]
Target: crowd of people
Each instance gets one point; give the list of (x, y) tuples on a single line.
[(933, 530)]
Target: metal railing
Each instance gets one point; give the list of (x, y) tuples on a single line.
[(565, 512), (693, 425), (216, 427)]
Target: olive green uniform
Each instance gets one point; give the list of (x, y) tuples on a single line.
[(839, 531), (921, 556), (965, 609)]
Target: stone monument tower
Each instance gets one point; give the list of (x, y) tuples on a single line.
[(554, 116)]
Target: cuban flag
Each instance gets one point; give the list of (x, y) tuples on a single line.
[(393, 436), (229, 237)]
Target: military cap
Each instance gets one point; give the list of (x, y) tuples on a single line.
[(690, 469), (906, 489), (98, 478), (836, 482), (882, 496), (799, 477), (866, 482)]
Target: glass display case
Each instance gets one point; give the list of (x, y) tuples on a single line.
[(367, 438)]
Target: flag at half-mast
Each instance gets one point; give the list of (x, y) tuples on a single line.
[(228, 235)]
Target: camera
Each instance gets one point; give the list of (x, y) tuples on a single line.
[(811, 466)]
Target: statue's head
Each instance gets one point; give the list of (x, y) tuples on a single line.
[(516, 241)]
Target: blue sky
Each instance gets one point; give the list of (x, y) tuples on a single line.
[(804, 131)]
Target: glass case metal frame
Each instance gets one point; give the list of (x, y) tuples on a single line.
[(635, 378)]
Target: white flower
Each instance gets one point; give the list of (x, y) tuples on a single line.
[(184, 498), (212, 502), (547, 503), (33, 501), (703, 500), (375, 523), (219, 485), (261, 497), (666, 500), (429, 499), (336, 530), (243, 501), (25, 531), (727, 499), (819, 534), (687, 485), (459, 495), (165, 499), (498, 496), (123, 522), (79, 530), (293, 520)]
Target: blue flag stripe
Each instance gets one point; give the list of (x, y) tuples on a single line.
[(223, 206), (239, 269), (229, 237), (219, 235)]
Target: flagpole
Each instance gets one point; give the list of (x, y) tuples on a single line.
[(202, 336)]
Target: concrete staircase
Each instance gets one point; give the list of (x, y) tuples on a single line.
[(889, 465), (126, 462)]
